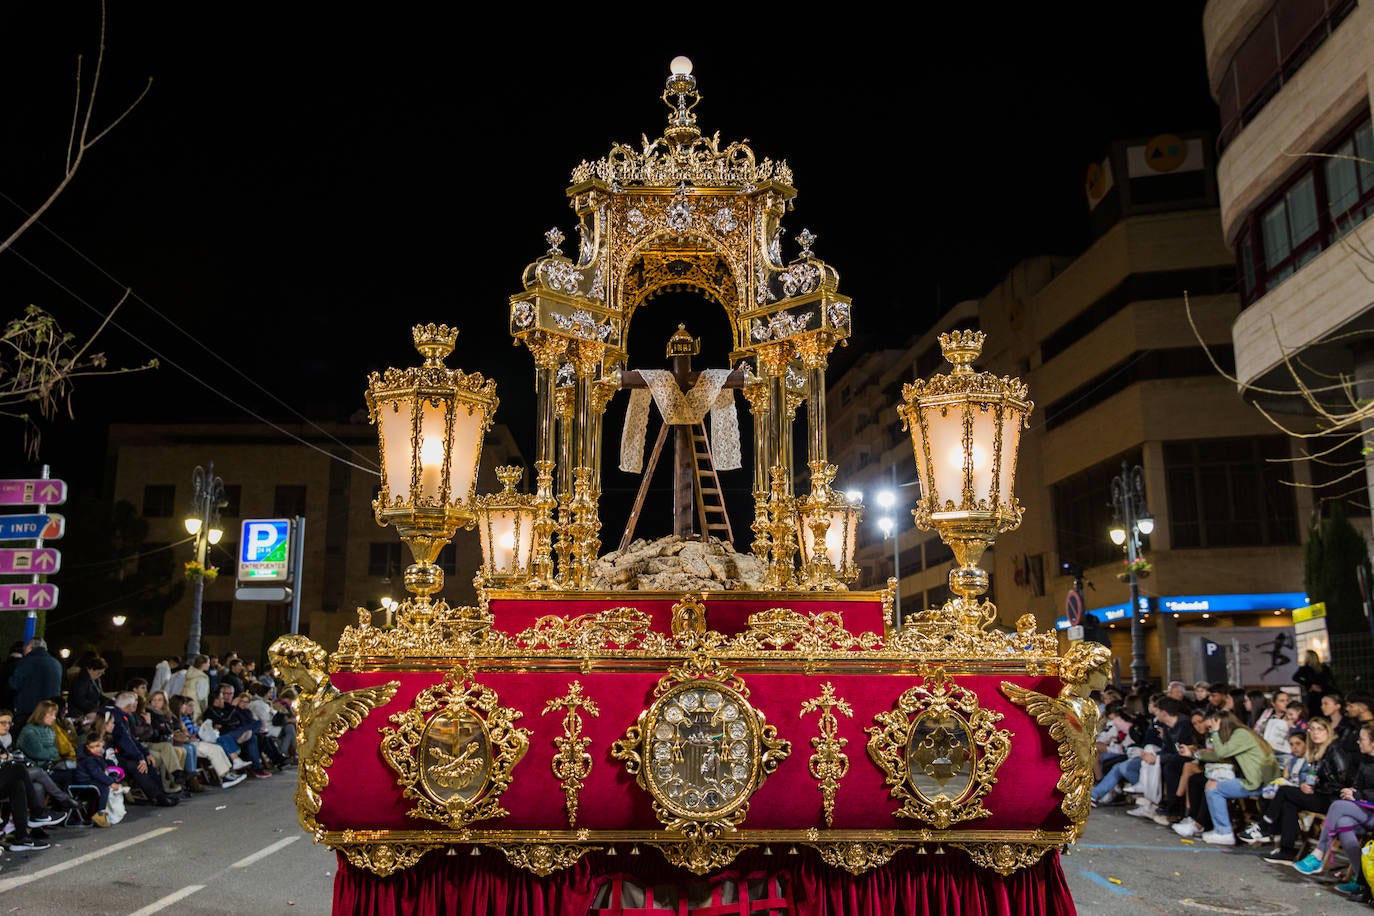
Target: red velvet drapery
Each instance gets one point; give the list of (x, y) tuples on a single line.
[(909, 885)]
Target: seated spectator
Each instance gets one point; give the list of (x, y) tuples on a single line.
[(223, 760), (233, 674), (1201, 691), (1113, 739), (140, 766), (171, 760), (1274, 726), (1176, 773), (15, 785), (1296, 714), (44, 792), (168, 730), (1328, 771), (1351, 814), (285, 711), (1253, 763), (93, 769), (87, 695), (267, 730), (236, 724), (197, 685)]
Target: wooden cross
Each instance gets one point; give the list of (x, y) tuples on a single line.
[(681, 347)]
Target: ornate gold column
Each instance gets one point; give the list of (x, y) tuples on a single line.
[(814, 351), (546, 349), (756, 393), (773, 361)]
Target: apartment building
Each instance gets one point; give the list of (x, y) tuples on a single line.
[(1119, 373), (324, 473)]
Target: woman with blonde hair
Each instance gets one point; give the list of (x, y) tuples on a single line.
[(1329, 769)]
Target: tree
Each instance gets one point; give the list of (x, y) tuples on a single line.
[(40, 362)]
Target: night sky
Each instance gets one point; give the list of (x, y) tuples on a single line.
[(294, 193)]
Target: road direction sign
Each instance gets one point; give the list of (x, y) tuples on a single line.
[(32, 527), (34, 492), (25, 560), (265, 550), (28, 597)]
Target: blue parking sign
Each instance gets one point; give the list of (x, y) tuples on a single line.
[(265, 550)]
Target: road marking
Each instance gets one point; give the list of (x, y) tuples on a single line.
[(1191, 850), (1098, 879), (168, 900), (264, 853), (11, 883)]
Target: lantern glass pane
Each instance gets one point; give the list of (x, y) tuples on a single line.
[(394, 429), (1011, 441), (946, 431), (498, 541), (467, 450), (433, 445), (985, 432)]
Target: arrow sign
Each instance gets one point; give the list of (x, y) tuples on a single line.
[(40, 492), (25, 560), (32, 527), (28, 597)]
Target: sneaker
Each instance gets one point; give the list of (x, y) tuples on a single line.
[(233, 779), (1280, 857), (241, 764), (261, 774), (1254, 834), (46, 820), (1349, 887), (1132, 790), (29, 845), (1163, 820), (1143, 809), (1187, 828), (1308, 864), (1217, 838), (99, 819)]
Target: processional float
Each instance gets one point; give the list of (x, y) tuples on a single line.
[(777, 745)]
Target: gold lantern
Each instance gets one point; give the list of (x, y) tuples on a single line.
[(965, 429), (827, 523), (430, 423), (505, 522)]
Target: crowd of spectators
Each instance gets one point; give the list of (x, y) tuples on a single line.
[(76, 757), (1291, 771)]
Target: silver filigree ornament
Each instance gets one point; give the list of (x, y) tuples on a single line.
[(800, 279), (584, 244), (635, 221), (839, 314), (724, 220), (555, 239), (748, 188), (762, 294), (780, 326), (522, 314), (679, 216), (806, 239), (561, 275), (566, 375), (598, 290), (582, 324), (775, 246)]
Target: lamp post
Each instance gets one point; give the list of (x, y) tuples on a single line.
[(1132, 518), (207, 498)]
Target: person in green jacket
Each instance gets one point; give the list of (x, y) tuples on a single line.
[(1230, 739)]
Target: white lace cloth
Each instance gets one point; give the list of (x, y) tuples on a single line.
[(682, 408)]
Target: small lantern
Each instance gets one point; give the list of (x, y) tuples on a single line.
[(505, 522), (430, 423), (965, 430), (827, 523)]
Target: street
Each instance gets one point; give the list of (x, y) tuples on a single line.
[(243, 850)]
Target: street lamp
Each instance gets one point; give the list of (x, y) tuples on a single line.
[(888, 499), (207, 498), (1130, 519)]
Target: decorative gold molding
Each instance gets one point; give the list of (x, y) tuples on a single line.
[(829, 764), (323, 712), (936, 732), (383, 859), (454, 751), (689, 616), (700, 857), (1072, 722), (572, 764), (545, 858), (1003, 858), (857, 858)]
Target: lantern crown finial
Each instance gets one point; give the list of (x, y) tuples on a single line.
[(961, 348), (434, 341)]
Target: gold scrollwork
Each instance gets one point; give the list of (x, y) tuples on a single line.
[(324, 713), (700, 857), (454, 751), (700, 751), (857, 858), (383, 859), (940, 752), (545, 858), (689, 616), (572, 764), (1004, 858), (1072, 721), (829, 764)]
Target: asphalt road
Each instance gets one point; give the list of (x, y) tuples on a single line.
[(243, 850)]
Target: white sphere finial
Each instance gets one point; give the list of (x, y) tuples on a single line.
[(681, 66)]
